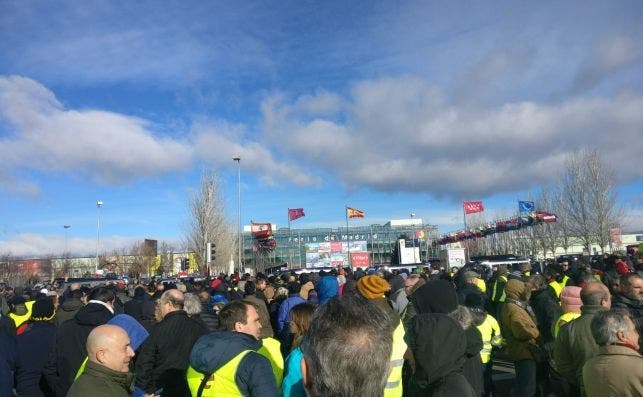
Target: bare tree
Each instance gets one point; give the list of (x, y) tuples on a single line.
[(166, 252), (207, 223), (589, 199)]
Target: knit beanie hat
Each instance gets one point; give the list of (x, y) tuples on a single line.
[(43, 310), (372, 287), (570, 299), (436, 296)]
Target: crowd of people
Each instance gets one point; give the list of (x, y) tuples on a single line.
[(570, 329)]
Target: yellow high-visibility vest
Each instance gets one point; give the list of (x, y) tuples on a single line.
[(490, 331), (394, 382), (566, 317)]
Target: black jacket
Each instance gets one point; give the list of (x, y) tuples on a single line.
[(254, 375), (142, 309), (547, 310), (164, 356), (68, 310), (33, 347), (69, 349), (439, 346), (635, 308)]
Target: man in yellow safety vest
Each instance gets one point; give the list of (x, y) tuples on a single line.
[(235, 362)]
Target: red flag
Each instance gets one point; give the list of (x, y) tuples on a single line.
[(471, 207), (295, 213)]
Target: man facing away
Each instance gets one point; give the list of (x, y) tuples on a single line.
[(107, 371), (233, 362), (347, 349)]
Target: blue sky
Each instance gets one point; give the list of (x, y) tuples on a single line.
[(390, 107)]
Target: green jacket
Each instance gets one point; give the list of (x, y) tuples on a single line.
[(615, 371), (575, 345), (99, 381)]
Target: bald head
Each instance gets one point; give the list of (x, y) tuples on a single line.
[(596, 294), (109, 346), (171, 300)]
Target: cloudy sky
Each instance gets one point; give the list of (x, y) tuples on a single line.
[(390, 107)]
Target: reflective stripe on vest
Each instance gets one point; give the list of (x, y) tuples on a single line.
[(394, 382), (495, 286), (566, 317), (221, 383), (490, 331), (271, 349)]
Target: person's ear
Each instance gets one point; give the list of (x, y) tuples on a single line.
[(100, 356)]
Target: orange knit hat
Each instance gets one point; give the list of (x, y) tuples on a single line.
[(372, 287)]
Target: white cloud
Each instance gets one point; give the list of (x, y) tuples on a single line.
[(103, 146), (41, 245), (219, 143), (400, 134)]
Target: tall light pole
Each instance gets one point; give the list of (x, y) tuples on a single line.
[(238, 160), (413, 224), (66, 227), (98, 205)]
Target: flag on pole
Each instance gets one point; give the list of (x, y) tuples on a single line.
[(526, 206), (354, 213), (261, 230), (471, 207), (295, 213)]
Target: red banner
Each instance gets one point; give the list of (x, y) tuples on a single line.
[(360, 259), (295, 213), (471, 207)]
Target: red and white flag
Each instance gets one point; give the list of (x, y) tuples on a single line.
[(295, 213), (261, 230), (471, 207)]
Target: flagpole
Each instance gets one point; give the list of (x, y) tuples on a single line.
[(290, 241), (348, 245)]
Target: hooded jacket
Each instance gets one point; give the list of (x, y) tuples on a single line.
[(327, 287), (439, 347), (518, 326), (253, 376), (69, 350), (68, 310)]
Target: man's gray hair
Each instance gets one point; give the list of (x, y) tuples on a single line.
[(191, 304), (348, 349), (606, 324)]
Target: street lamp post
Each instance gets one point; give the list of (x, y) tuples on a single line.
[(66, 227), (238, 160), (413, 238), (99, 204)]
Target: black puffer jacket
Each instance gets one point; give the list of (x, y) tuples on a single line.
[(69, 349), (164, 355)]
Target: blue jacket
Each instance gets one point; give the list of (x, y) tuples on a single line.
[(254, 376), (327, 288), (284, 311), (293, 383)]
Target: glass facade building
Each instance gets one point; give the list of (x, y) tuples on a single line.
[(380, 242)]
